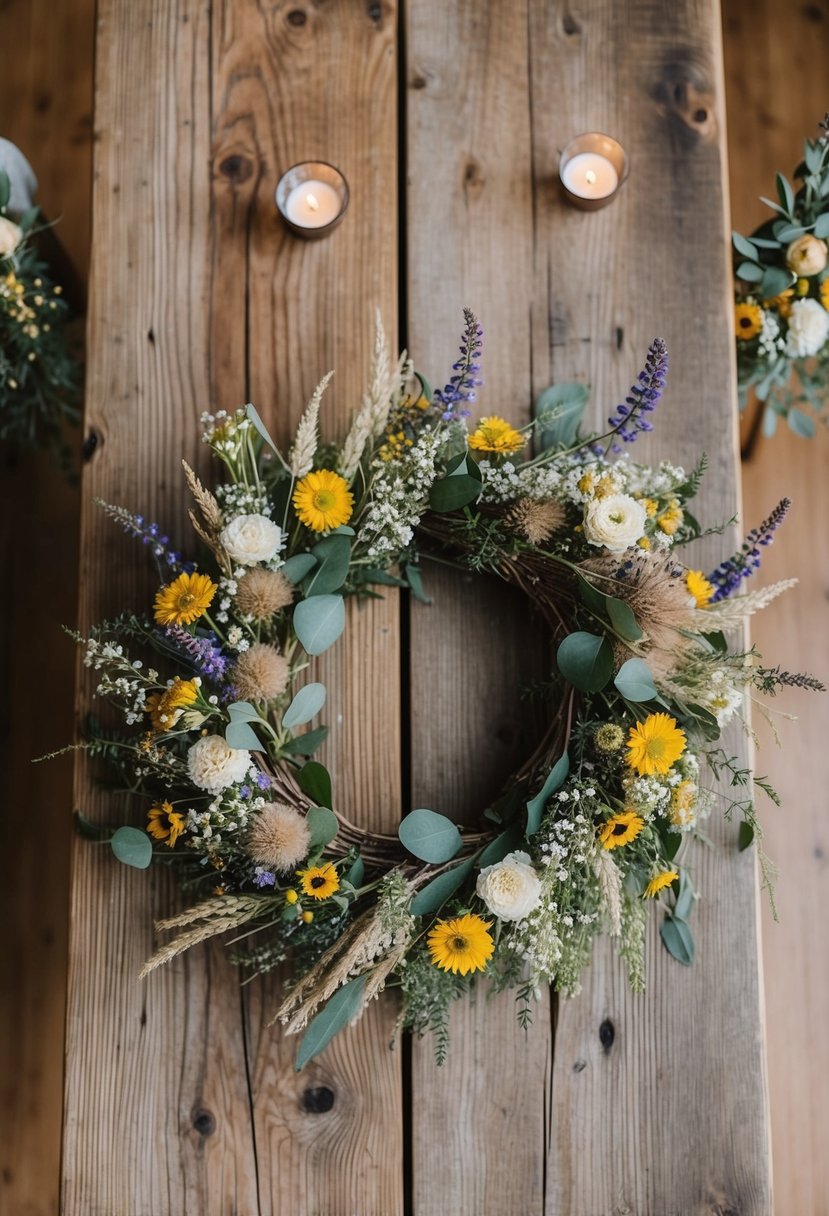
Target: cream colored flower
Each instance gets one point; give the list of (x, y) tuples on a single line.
[(10, 236), (510, 889), (807, 255), (808, 328), (249, 539), (615, 522), (214, 765)]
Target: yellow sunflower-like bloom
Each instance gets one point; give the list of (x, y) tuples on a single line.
[(184, 600), (748, 321), (699, 587), (165, 708), (322, 501), (654, 745), (320, 881), (163, 823), (659, 882), (461, 945), (496, 435), (781, 303), (621, 829), (683, 803), (824, 294), (670, 519)]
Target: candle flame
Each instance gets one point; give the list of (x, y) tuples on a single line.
[(313, 202), (590, 177)]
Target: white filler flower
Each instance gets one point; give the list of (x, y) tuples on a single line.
[(213, 765), (249, 539), (510, 889), (615, 522), (808, 328)]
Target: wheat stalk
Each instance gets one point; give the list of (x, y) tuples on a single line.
[(307, 438), (217, 915), (739, 607)]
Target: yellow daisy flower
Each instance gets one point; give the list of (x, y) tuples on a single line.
[(163, 823), (781, 303), (184, 600), (659, 882), (748, 320), (165, 708), (670, 519), (699, 587), (824, 294), (461, 945), (683, 800), (654, 745), (496, 435), (322, 501), (621, 829), (320, 881)]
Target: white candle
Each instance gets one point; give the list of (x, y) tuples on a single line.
[(312, 204), (589, 175)]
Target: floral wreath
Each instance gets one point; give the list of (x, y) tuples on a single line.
[(599, 822), (781, 314)]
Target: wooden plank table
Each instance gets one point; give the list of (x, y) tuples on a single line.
[(178, 1099)]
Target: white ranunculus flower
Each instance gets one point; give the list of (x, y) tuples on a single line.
[(808, 328), (10, 236), (214, 765), (806, 255), (249, 539), (615, 522), (510, 889)]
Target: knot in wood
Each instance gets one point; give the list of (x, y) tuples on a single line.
[(204, 1121), (685, 94), (318, 1099), (607, 1034), (297, 16), (375, 11), (91, 444), (236, 167), (473, 178)]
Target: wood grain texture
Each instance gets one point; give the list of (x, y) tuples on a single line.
[(179, 1097), (564, 295), (46, 107), (768, 120)]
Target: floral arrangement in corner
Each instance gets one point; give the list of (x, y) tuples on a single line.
[(39, 375), (781, 312), (220, 722)]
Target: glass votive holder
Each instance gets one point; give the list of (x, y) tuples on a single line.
[(592, 169), (312, 198)]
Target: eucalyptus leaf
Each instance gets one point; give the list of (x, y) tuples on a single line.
[(558, 412), (822, 226), (743, 246), (435, 893), (314, 780), (634, 681), (592, 597), (307, 703), (243, 711), (553, 781), (586, 661), (769, 422), (252, 413), (356, 873), (343, 530), (333, 557), (788, 232), (750, 272), (801, 423), (343, 1006), (764, 243), (678, 940), (773, 205), (132, 847), (307, 744), (5, 189), (239, 735), (775, 280), (453, 492), (785, 193), (745, 836), (414, 577), (685, 899), (623, 620), (296, 567), (813, 156), (430, 836), (323, 825), (319, 621), (507, 842)]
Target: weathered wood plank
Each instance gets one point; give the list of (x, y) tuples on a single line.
[(288, 90), (767, 122), (46, 104), (471, 242)]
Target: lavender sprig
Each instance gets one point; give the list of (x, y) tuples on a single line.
[(628, 421), (202, 652), (460, 391), (729, 574), (149, 534)]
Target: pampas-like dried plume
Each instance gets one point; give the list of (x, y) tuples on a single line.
[(260, 593), (305, 444), (727, 613), (535, 519), (279, 837), (260, 673), (610, 883)]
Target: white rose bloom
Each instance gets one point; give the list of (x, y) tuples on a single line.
[(213, 764), (615, 522), (249, 539), (10, 236), (510, 889), (808, 328)]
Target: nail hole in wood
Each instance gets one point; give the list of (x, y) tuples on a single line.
[(204, 1122), (151, 337), (570, 25), (297, 17), (318, 1099), (90, 445), (700, 115), (620, 337), (607, 1034), (419, 82)]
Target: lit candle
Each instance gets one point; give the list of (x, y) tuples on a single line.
[(590, 175), (312, 198), (312, 204), (592, 168)]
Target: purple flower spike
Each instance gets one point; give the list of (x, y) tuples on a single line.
[(460, 391), (202, 652), (627, 421), (729, 574)]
